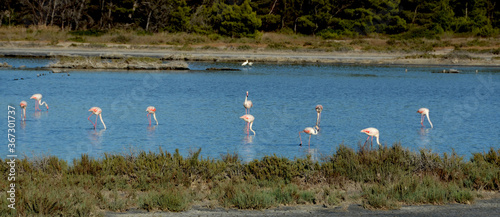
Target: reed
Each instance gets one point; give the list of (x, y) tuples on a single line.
[(381, 178)]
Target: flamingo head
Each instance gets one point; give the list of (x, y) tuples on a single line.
[(95, 110), (319, 108), (247, 93)]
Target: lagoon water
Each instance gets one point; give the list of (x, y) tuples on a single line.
[(201, 109)]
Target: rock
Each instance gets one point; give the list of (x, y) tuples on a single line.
[(447, 71), (5, 65)]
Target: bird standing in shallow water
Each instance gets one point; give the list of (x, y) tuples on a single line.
[(249, 119), (23, 105), (371, 132), (424, 112), (97, 112), (310, 131), (319, 109), (247, 104), (38, 98), (151, 110)]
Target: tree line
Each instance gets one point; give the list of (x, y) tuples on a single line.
[(245, 18)]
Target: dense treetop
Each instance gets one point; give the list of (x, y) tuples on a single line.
[(245, 18)]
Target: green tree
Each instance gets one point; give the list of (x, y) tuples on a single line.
[(235, 20)]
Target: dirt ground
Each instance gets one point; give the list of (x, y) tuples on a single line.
[(483, 208)]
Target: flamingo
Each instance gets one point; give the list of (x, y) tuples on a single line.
[(311, 131), (23, 105), (319, 108), (424, 112), (38, 98), (249, 119), (250, 63), (247, 104), (371, 132), (151, 110), (244, 63), (97, 112)]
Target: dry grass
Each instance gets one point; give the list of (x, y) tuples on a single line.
[(274, 41)]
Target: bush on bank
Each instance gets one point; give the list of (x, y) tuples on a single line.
[(382, 178)]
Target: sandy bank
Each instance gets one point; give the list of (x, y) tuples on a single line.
[(437, 58)]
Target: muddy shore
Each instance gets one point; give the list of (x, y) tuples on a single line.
[(443, 57)]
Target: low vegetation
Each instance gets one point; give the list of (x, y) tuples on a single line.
[(40, 36), (382, 178)]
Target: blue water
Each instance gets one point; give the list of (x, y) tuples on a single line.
[(201, 109)]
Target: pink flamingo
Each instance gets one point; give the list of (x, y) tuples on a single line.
[(151, 110), (23, 105), (97, 112), (311, 131), (319, 109), (371, 132), (247, 104), (38, 98), (424, 112), (249, 119)]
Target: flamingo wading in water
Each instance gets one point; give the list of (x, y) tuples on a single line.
[(97, 112), (249, 119), (319, 109), (424, 112), (309, 130), (23, 105), (38, 98), (151, 111), (247, 104), (371, 132)]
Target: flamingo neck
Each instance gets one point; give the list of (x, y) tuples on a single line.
[(42, 103), (318, 119), (251, 123), (154, 116), (429, 120), (377, 140), (100, 116)]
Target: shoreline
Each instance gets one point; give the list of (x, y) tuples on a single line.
[(483, 207), (444, 57)]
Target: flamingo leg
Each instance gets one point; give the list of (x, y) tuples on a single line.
[(91, 120), (95, 126), (366, 141), (371, 144), (422, 120), (309, 141), (149, 118), (300, 138)]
